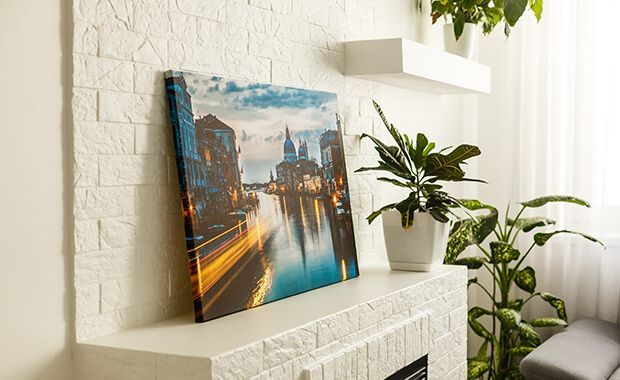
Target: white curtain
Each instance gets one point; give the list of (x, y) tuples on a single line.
[(567, 136)]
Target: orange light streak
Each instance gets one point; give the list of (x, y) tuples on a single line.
[(316, 212), (212, 239), (303, 214), (211, 269)]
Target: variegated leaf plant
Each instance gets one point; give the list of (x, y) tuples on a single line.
[(416, 166), (511, 337)]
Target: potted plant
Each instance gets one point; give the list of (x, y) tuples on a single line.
[(465, 15), (415, 228), (510, 337)]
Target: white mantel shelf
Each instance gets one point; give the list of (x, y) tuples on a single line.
[(282, 335), (407, 64)]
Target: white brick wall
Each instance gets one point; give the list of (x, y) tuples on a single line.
[(129, 261), (368, 341)]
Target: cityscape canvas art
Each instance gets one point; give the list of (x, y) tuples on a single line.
[(264, 191)]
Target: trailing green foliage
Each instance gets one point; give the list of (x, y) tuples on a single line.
[(486, 12), (511, 337), (415, 165)]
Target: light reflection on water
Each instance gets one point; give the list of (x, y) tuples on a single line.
[(300, 256)]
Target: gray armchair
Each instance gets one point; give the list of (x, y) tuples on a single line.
[(588, 349)]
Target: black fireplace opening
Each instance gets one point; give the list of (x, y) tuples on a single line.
[(418, 370)]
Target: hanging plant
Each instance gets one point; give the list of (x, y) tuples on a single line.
[(489, 13)]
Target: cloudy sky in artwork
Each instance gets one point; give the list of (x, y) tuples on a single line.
[(259, 113)]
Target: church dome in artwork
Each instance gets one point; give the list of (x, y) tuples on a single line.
[(290, 153)]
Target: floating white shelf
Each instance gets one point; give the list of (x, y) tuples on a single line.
[(403, 63)]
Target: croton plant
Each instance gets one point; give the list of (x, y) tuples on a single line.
[(417, 166)]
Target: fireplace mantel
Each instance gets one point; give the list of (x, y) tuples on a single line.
[(350, 326)]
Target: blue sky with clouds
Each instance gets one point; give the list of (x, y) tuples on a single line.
[(259, 112)]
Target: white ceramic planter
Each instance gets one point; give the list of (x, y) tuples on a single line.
[(421, 248), (465, 44)]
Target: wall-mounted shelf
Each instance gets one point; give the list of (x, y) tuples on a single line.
[(403, 63)]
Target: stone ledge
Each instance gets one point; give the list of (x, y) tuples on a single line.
[(281, 339)]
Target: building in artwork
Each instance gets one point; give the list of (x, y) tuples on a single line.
[(332, 160), (290, 153), (189, 161), (207, 162), (221, 156), (297, 172)]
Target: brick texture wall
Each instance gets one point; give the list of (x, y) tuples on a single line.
[(130, 266)]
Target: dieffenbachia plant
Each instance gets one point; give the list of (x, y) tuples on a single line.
[(417, 167), (489, 13), (514, 337)]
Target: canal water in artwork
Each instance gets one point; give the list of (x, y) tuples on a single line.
[(292, 244)]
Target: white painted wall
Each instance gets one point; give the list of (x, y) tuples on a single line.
[(34, 225)]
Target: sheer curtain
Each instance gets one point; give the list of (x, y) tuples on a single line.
[(568, 142)]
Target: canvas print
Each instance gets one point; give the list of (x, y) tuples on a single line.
[(264, 191)]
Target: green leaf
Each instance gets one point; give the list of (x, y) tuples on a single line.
[(392, 155), (439, 215), (527, 333), (476, 368), (472, 204), (471, 262), (459, 24), (494, 14), (475, 313), (384, 167), (520, 350), (468, 4), (375, 214), (421, 142), (513, 9), (541, 201), (509, 318), (537, 8), (398, 138), (528, 224), (467, 232), (557, 303), (428, 149), (417, 154), (429, 188), (542, 238), (407, 209), (394, 182), (526, 279), (446, 167), (482, 351), (548, 322), (503, 252)]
